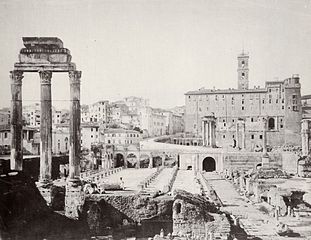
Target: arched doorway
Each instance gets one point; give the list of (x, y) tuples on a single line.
[(157, 161), (144, 160), (209, 164), (119, 160), (131, 160)]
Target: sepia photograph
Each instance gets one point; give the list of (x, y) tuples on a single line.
[(155, 119)]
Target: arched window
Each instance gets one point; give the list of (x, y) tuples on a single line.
[(178, 208), (66, 143), (271, 124)]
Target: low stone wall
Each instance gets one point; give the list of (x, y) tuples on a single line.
[(96, 176), (169, 185), (145, 183), (208, 189)]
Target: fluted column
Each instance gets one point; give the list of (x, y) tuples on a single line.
[(237, 135), (264, 136), (16, 159), (74, 126), (305, 137), (209, 133), (213, 123), (46, 127), (203, 133), (243, 135)]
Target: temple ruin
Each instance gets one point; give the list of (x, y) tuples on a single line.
[(46, 55)]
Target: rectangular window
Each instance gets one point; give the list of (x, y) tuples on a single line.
[(252, 136), (242, 107), (260, 136), (223, 136)]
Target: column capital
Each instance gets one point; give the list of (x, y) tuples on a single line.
[(16, 76), (74, 76), (45, 77)]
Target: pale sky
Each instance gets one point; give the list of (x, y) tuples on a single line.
[(158, 49)]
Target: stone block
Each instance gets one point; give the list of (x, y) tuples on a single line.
[(74, 200)]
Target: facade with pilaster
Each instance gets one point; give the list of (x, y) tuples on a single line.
[(245, 109)]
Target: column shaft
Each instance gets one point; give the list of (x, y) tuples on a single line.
[(237, 135), (74, 126), (46, 127), (264, 136), (243, 135), (16, 159), (203, 133)]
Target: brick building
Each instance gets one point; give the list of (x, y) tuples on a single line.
[(279, 102)]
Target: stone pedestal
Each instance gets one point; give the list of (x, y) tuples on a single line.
[(74, 199), (46, 191)]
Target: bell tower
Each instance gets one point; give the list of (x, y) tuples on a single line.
[(243, 71)]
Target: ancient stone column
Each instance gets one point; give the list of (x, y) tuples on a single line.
[(213, 134), (237, 135), (203, 133), (209, 134), (74, 126), (16, 159), (151, 161), (264, 136), (46, 127), (305, 137), (243, 134)]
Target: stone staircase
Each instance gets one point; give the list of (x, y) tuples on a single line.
[(186, 180), (160, 183)]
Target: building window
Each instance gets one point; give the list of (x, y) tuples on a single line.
[(271, 124), (243, 101), (260, 136), (194, 126), (252, 119), (252, 136), (5, 135), (242, 107), (91, 136), (108, 141), (263, 100), (223, 136)]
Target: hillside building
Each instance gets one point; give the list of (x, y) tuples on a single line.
[(279, 103)]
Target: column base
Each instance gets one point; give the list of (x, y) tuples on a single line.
[(45, 188), (74, 198)]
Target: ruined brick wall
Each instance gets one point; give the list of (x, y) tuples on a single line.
[(114, 209)]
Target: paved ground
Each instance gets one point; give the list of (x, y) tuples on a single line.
[(131, 177), (161, 180), (254, 222), (185, 180)]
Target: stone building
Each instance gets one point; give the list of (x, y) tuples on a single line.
[(306, 106), (120, 136), (4, 116), (152, 121), (136, 103), (278, 103), (99, 112), (30, 142)]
